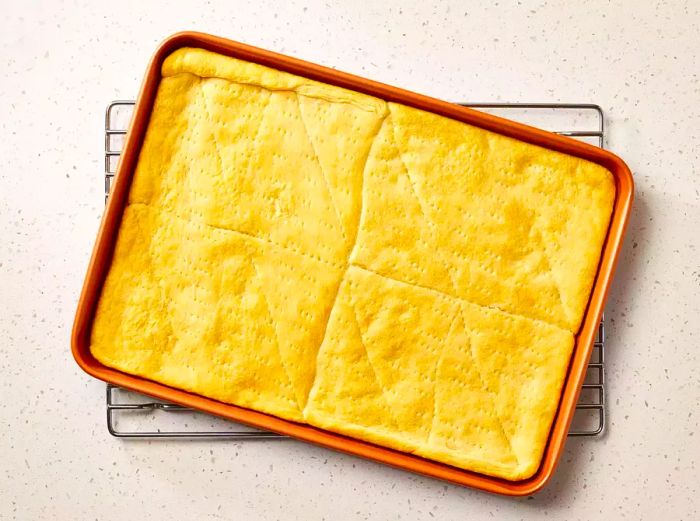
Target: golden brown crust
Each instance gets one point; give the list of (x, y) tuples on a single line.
[(362, 266)]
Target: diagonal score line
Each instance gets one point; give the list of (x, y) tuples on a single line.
[(550, 268), (428, 219), (273, 323), (249, 166), (249, 235), (431, 224), (326, 182), (491, 393), (380, 124), (363, 174), (408, 174), (213, 132), (435, 380), (450, 296), (424, 204), (326, 321), (382, 388), (263, 112)]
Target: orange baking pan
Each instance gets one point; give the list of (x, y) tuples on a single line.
[(106, 238)]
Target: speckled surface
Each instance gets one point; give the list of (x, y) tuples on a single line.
[(61, 62)]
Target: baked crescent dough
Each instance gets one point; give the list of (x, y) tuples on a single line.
[(361, 266)]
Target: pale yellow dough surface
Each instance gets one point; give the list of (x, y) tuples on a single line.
[(361, 266)]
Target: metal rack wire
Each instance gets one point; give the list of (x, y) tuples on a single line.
[(580, 121)]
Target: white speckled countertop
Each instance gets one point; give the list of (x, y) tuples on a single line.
[(60, 62)]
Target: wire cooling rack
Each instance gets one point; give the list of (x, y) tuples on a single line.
[(132, 415)]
